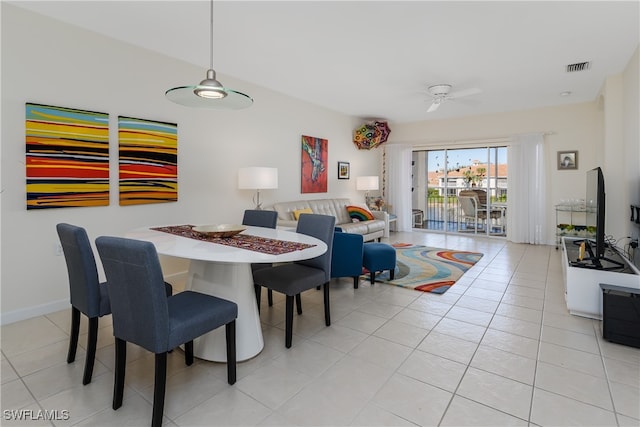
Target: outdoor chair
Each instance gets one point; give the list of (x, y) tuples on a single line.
[(473, 213)]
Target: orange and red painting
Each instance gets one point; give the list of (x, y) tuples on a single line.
[(314, 164), (67, 157), (148, 160)]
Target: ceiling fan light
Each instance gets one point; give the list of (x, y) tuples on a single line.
[(439, 89)]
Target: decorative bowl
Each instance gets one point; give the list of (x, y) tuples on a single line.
[(219, 230)]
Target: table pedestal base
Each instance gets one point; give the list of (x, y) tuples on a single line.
[(233, 282)]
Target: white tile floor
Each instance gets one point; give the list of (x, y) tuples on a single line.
[(498, 348)]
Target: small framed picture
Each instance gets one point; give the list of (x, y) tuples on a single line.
[(343, 170), (567, 160)]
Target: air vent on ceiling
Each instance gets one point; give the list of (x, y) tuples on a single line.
[(578, 66)]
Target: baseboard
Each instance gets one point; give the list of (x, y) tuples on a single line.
[(51, 307), (29, 312)]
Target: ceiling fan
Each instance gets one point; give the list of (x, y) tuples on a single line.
[(442, 92)]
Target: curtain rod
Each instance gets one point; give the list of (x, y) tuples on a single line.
[(484, 141)]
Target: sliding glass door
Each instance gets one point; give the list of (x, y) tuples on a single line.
[(447, 180)]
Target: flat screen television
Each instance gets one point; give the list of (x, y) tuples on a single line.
[(595, 211), (595, 205)]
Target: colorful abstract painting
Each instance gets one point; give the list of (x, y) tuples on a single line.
[(148, 161), (67, 157), (314, 164)]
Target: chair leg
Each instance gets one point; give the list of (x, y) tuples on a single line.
[(159, 389), (258, 290), (299, 304), (73, 338), (288, 331), (392, 273), (356, 280), (372, 277), (188, 353), (327, 311), (230, 331), (270, 297), (118, 382), (92, 340)]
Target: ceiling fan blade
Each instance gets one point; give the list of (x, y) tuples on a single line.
[(434, 106), (465, 92)]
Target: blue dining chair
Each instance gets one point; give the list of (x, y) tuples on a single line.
[(143, 315), (267, 219), (88, 296), (294, 278)]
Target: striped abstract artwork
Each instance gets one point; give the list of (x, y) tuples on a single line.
[(148, 160), (67, 157)]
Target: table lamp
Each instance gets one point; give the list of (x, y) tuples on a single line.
[(366, 183), (257, 178)]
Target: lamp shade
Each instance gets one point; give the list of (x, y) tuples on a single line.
[(257, 178), (367, 183)]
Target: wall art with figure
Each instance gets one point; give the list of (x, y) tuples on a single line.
[(314, 164)]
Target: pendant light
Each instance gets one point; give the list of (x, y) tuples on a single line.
[(209, 93)]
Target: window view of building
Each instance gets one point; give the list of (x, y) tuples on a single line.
[(461, 190)]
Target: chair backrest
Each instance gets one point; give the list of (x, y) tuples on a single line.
[(482, 196), (84, 285), (321, 227), (468, 203), (139, 303), (346, 257), (260, 218)]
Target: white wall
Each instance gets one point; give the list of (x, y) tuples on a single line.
[(631, 138), (574, 127), (47, 62)]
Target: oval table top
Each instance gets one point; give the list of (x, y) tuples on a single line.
[(185, 247)]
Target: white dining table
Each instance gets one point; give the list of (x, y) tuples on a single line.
[(225, 271)]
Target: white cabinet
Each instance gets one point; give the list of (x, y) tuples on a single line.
[(582, 285)]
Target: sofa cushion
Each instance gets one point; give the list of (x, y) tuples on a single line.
[(333, 207), (376, 225), (359, 213), (356, 227), (370, 229), (297, 212)]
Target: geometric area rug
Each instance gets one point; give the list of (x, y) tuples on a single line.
[(428, 269)]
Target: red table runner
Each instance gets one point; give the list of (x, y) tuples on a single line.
[(242, 241)]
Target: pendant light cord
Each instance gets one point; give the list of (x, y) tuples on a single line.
[(211, 37)]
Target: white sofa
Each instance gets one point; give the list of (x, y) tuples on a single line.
[(370, 230)]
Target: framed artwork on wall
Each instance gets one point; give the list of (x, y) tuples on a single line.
[(148, 161), (344, 170), (314, 164), (67, 157), (567, 160)]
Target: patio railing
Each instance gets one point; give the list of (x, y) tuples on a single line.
[(442, 212)]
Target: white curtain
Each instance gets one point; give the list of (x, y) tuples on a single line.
[(398, 183), (526, 206)]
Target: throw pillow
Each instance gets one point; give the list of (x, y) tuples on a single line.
[(359, 213), (297, 212)]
